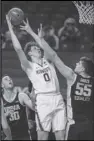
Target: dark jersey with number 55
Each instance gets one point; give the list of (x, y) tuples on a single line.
[(16, 117), (82, 98)]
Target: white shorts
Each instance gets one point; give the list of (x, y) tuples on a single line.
[(51, 113)]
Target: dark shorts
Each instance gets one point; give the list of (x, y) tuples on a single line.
[(81, 131)]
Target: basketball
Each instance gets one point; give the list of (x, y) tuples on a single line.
[(16, 15)]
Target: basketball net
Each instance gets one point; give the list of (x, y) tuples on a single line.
[(85, 11)]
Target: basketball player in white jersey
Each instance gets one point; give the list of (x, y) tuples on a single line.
[(49, 102)]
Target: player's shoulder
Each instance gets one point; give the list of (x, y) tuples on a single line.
[(78, 77), (70, 82), (30, 62), (26, 68), (17, 89), (21, 97), (22, 94), (47, 61)]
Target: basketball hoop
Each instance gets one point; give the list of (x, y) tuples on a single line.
[(85, 11)]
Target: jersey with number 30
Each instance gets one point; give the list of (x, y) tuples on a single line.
[(81, 99), (16, 117), (43, 78)]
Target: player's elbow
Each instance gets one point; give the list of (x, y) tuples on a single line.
[(5, 126), (18, 49), (16, 45), (53, 54)]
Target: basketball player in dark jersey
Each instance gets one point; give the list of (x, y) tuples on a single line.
[(80, 95), (80, 92), (14, 109), (4, 125)]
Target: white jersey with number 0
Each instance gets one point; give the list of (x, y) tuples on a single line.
[(43, 78)]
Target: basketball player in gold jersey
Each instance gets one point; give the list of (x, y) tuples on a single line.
[(49, 102)]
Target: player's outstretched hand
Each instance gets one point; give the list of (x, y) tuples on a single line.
[(40, 31), (9, 22), (26, 26)]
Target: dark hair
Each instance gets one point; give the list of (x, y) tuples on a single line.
[(47, 28), (70, 20), (4, 76), (89, 65), (28, 48)]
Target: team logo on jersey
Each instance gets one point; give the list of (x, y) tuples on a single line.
[(12, 108), (12, 112), (85, 80), (42, 70)]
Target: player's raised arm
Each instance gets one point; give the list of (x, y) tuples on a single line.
[(63, 69), (17, 46), (26, 101), (36, 37), (4, 123), (67, 72)]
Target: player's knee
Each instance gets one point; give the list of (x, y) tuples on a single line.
[(42, 135), (60, 135)]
